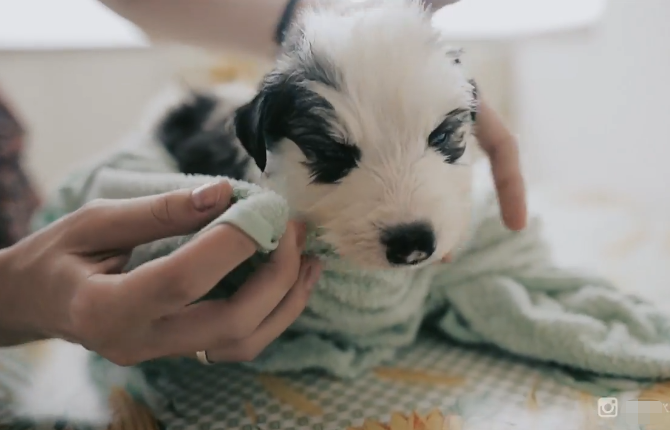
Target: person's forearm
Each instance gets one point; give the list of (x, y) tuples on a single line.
[(244, 25)]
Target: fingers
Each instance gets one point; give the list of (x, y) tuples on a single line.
[(244, 311), (169, 283), (502, 150), (123, 224), (144, 314), (274, 325), (208, 324), (255, 298)]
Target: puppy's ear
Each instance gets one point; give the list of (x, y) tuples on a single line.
[(250, 129)]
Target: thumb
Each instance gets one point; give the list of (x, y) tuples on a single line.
[(124, 224)]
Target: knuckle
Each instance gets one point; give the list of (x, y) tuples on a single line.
[(90, 210), (161, 209), (95, 206)]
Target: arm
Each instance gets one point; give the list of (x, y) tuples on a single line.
[(243, 25)]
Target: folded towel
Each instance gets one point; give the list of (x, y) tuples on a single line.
[(501, 290)]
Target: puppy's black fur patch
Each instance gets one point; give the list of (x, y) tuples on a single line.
[(197, 150), (283, 108), (212, 153), (185, 120), (446, 138), (286, 108), (475, 97)]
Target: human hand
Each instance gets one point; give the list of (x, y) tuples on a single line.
[(501, 148), (65, 281)]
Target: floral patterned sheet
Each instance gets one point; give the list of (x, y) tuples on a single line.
[(485, 390)]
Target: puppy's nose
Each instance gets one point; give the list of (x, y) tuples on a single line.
[(408, 244)]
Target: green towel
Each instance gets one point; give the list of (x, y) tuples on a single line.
[(501, 291)]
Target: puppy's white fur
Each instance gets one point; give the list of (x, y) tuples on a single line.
[(398, 81)]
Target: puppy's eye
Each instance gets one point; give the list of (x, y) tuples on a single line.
[(449, 137), (440, 139)]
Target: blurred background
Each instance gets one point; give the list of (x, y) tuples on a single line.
[(585, 84)]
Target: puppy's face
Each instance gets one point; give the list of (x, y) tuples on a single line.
[(365, 126)]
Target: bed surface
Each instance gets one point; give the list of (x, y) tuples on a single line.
[(483, 389)]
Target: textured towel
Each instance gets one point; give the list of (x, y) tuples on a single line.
[(500, 291)]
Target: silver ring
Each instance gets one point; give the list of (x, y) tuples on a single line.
[(202, 358)]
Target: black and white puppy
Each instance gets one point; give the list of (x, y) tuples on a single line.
[(365, 126)]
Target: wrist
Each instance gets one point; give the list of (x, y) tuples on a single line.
[(14, 327)]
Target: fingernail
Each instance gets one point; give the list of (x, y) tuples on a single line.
[(206, 196)]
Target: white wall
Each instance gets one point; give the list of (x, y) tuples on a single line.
[(593, 108), (75, 104)]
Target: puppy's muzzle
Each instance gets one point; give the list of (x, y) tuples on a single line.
[(408, 244)]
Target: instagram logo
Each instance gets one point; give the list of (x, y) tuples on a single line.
[(608, 407)]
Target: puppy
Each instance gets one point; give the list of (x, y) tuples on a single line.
[(365, 126)]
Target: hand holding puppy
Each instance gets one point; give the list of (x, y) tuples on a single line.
[(66, 282)]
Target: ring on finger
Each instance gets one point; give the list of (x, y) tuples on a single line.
[(203, 358)]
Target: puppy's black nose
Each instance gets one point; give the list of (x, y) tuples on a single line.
[(408, 244)]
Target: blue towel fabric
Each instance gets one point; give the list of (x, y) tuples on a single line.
[(501, 291)]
